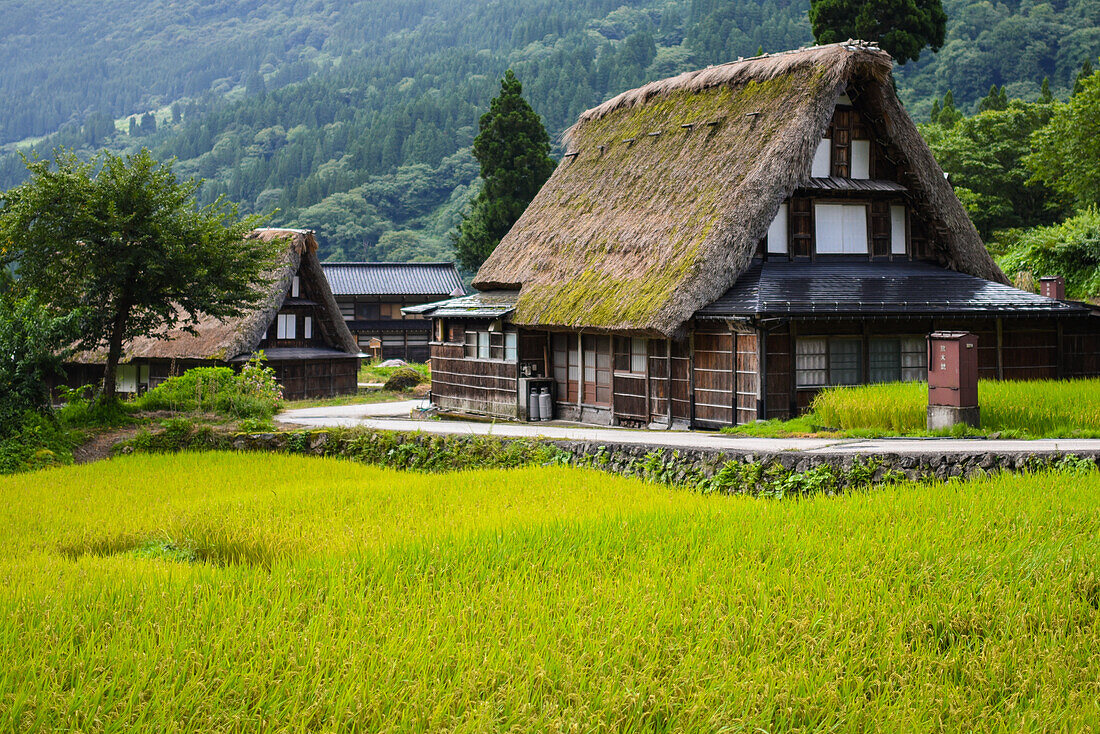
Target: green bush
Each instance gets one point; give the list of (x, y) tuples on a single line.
[(251, 393), (1070, 249), (403, 379), (38, 443)]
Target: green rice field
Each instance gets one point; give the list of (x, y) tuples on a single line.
[(1035, 407), (226, 592)]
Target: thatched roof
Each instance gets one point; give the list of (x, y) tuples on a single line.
[(223, 340), (666, 190)]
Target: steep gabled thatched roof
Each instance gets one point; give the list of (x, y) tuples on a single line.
[(666, 190), (215, 339)]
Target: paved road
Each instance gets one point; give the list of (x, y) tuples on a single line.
[(396, 417)]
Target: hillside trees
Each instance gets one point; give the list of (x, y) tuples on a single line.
[(903, 28), (1066, 153), (514, 152), (121, 240)]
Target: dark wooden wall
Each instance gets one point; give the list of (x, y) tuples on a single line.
[(657, 362), (713, 368), (473, 385), (748, 376), (316, 378)]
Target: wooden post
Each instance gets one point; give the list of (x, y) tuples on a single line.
[(762, 375), (733, 351), (793, 381), (648, 406), (691, 378), (580, 373)]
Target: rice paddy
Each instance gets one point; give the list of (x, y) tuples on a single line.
[(1032, 407), (225, 592)]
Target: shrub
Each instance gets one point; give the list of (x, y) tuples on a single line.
[(403, 379), (38, 443), (252, 393), (1070, 249)]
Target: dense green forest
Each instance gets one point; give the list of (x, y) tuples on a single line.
[(356, 118)]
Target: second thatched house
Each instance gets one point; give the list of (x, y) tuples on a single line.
[(717, 247), (297, 325)]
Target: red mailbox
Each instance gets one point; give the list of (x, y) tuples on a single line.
[(952, 379)]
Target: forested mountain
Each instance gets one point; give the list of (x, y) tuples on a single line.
[(355, 118)]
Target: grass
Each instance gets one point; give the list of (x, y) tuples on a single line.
[(1016, 409), (371, 372), (363, 396), (224, 592)]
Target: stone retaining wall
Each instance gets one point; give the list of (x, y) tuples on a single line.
[(726, 470)]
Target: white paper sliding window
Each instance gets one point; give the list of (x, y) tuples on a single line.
[(841, 229), (897, 229), (822, 166), (510, 343), (861, 159), (777, 232), (287, 326), (295, 287), (812, 362), (307, 327)]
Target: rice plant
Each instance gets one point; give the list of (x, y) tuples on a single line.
[(224, 592), (1029, 407)]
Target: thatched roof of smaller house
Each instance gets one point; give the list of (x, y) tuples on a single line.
[(665, 190), (224, 340)]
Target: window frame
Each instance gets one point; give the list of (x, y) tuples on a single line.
[(828, 368), (286, 326)]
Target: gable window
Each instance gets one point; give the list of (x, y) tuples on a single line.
[(821, 167), (630, 355), (861, 159), (295, 287), (307, 327), (777, 232), (841, 229), (897, 229), (899, 359), (820, 361), (286, 326)]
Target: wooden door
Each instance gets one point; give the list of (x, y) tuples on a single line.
[(748, 374), (596, 369), (714, 383)]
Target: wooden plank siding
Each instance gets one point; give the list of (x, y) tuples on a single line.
[(658, 363), (748, 377), (680, 381), (714, 378), (778, 380), (481, 386)]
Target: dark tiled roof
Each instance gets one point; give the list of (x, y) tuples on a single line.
[(392, 279), (864, 288), (486, 305)]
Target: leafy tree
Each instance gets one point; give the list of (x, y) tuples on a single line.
[(122, 240), (902, 27), (514, 152), (1070, 249), (33, 343), (985, 156), (1082, 75), (997, 99), (947, 115), (1066, 153)]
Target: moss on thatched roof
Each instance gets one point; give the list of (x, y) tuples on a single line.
[(222, 340), (666, 190)]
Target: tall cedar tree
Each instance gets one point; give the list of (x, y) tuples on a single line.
[(121, 240), (902, 27), (514, 152)]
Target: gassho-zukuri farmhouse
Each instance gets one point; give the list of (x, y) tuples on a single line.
[(716, 247)]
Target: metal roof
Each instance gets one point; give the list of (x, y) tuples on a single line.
[(393, 279), (867, 288), (487, 305)]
